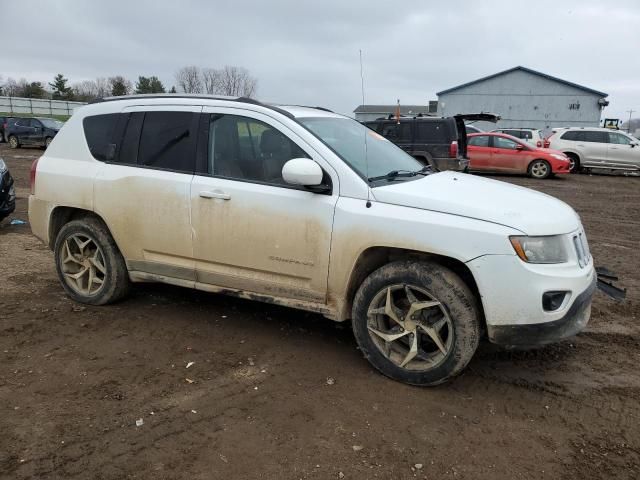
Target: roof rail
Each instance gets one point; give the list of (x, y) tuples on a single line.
[(193, 96)]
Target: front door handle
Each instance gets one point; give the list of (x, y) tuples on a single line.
[(215, 194)]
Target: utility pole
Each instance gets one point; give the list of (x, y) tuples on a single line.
[(630, 112)]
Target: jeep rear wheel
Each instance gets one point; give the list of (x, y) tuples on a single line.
[(13, 141), (416, 322), (89, 264)]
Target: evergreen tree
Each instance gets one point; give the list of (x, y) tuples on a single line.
[(60, 89)]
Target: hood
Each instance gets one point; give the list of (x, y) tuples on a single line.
[(531, 212)]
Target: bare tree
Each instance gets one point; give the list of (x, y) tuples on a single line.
[(211, 78), (189, 79), (237, 82), (102, 87), (11, 88)]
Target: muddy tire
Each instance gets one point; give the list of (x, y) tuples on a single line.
[(416, 322), (89, 263), (574, 162), (13, 142)]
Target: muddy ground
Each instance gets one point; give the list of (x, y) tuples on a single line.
[(257, 404)]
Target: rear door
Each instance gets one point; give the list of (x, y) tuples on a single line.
[(143, 189), (594, 147), (623, 151), (479, 152)]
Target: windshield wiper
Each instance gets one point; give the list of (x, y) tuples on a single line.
[(402, 173)]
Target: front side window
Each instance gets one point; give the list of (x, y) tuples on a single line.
[(501, 142), (619, 139), (479, 141), (244, 148), (365, 151)]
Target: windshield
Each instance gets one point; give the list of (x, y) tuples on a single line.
[(347, 139), (50, 123)]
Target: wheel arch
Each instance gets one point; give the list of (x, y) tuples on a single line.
[(62, 215), (375, 257)]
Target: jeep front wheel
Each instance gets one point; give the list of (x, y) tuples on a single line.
[(89, 264), (416, 322)]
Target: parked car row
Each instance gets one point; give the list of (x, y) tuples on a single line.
[(35, 131)]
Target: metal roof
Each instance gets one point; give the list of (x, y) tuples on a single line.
[(528, 70), (404, 109)]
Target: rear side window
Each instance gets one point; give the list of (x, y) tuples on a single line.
[(479, 141), (167, 141), (98, 130), (404, 132), (432, 132), (390, 131), (596, 137)]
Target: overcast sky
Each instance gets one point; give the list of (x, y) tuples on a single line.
[(307, 52)]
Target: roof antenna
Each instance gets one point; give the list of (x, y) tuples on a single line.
[(366, 155)]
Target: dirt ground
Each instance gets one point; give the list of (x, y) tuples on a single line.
[(257, 402)]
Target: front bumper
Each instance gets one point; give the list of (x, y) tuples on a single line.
[(573, 321), (512, 298)]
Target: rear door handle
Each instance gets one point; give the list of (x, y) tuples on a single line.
[(215, 194)]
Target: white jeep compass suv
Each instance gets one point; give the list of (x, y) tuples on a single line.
[(306, 208)]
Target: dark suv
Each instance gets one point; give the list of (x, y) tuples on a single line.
[(32, 131), (7, 191), (4, 126), (440, 142)]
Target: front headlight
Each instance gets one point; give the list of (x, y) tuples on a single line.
[(549, 249), (560, 157)]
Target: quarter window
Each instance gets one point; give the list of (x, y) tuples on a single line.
[(244, 148), (98, 130), (574, 135)]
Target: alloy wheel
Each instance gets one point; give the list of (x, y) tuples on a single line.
[(13, 142), (410, 327), (83, 264), (539, 169)]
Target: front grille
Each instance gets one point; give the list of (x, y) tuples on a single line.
[(582, 249)]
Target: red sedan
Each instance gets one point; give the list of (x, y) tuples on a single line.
[(501, 153)]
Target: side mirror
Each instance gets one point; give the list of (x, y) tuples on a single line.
[(633, 144), (519, 147), (302, 171)]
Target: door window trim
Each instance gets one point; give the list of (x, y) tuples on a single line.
[(203, 167)]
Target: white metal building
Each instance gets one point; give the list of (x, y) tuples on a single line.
[(525, 98)]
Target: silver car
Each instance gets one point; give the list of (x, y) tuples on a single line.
[(597, 148)]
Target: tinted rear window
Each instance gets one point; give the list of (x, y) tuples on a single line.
[(167, 141), (98, 130), (432, 132)]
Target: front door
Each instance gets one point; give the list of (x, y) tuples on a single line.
[(623, 151), (593, 148), (251, 230), (505, 156)]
